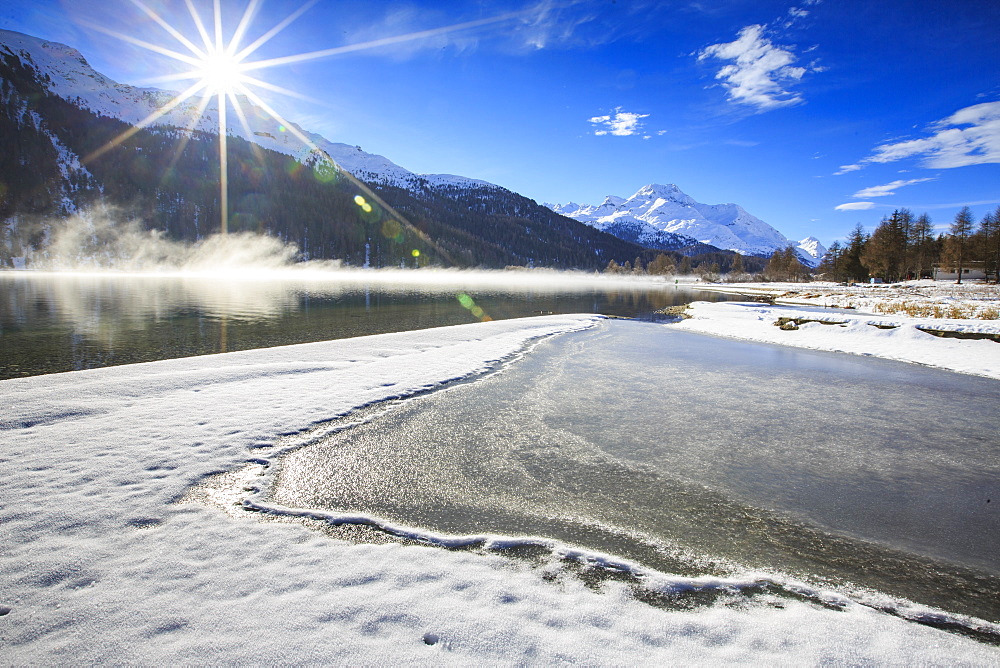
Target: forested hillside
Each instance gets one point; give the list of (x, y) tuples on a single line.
[(59, 159)]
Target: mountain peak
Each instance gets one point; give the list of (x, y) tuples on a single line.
[(811, 251), (667, 209), (668, 192)]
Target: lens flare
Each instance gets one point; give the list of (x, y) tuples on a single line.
[(220, 66), (470, 305), (363, 203)]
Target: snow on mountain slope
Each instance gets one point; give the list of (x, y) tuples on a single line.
[(665, 208), (65, 72), (813, 248), (615, 217)]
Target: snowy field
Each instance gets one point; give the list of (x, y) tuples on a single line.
[(101, 563), (924, 298), (864, 320)]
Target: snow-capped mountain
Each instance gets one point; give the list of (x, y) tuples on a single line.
[(70, 76), (656, 210), (812, 247)]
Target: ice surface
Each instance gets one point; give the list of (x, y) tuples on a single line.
[(99, 565)]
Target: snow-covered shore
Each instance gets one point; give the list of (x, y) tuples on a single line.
[(100, 563), (864, 320), (925, 298)]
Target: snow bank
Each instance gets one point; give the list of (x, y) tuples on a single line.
[(99, 564), (892, 337)]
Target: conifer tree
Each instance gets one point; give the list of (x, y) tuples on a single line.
[(851, 258), (989, 234), (661, 265), (737, 268), (885, 253), (957, 242), (922, 244)]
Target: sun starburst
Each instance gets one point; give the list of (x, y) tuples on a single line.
[(220, 68)]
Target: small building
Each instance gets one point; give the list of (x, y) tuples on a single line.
[(971, 271)]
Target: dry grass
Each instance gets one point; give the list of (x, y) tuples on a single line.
[(962, 310)]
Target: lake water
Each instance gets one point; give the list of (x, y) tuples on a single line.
[(65, 322)]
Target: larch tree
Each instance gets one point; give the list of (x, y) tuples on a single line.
[(885, 253), (957, 243), (851, 258), (989, 241), (737, 269), (922, 246), (661, 265), (830, 264)]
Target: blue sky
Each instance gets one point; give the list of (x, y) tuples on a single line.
[(813, 115)]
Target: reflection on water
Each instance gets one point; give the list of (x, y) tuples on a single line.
[(63, 322)]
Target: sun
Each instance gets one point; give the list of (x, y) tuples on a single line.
[(221, 72), (219, 67)]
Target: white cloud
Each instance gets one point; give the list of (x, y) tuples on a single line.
[(855, 206), (794, 15), (847, 168), (554, 23), (620, 123), (760, 71), (970, 136), (887, 189)]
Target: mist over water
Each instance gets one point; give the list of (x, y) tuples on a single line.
[(103, 239), (63, 321)]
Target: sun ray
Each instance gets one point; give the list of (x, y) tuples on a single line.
[(241, 115), (242, 28), (223, 164), (284, 23), (186, 137), (217, 13), (199, 24), (385, 41), (357, 183), (163, 51), (176, 34), (253, 97), (167, 78), (146, 122), (278, 89)]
